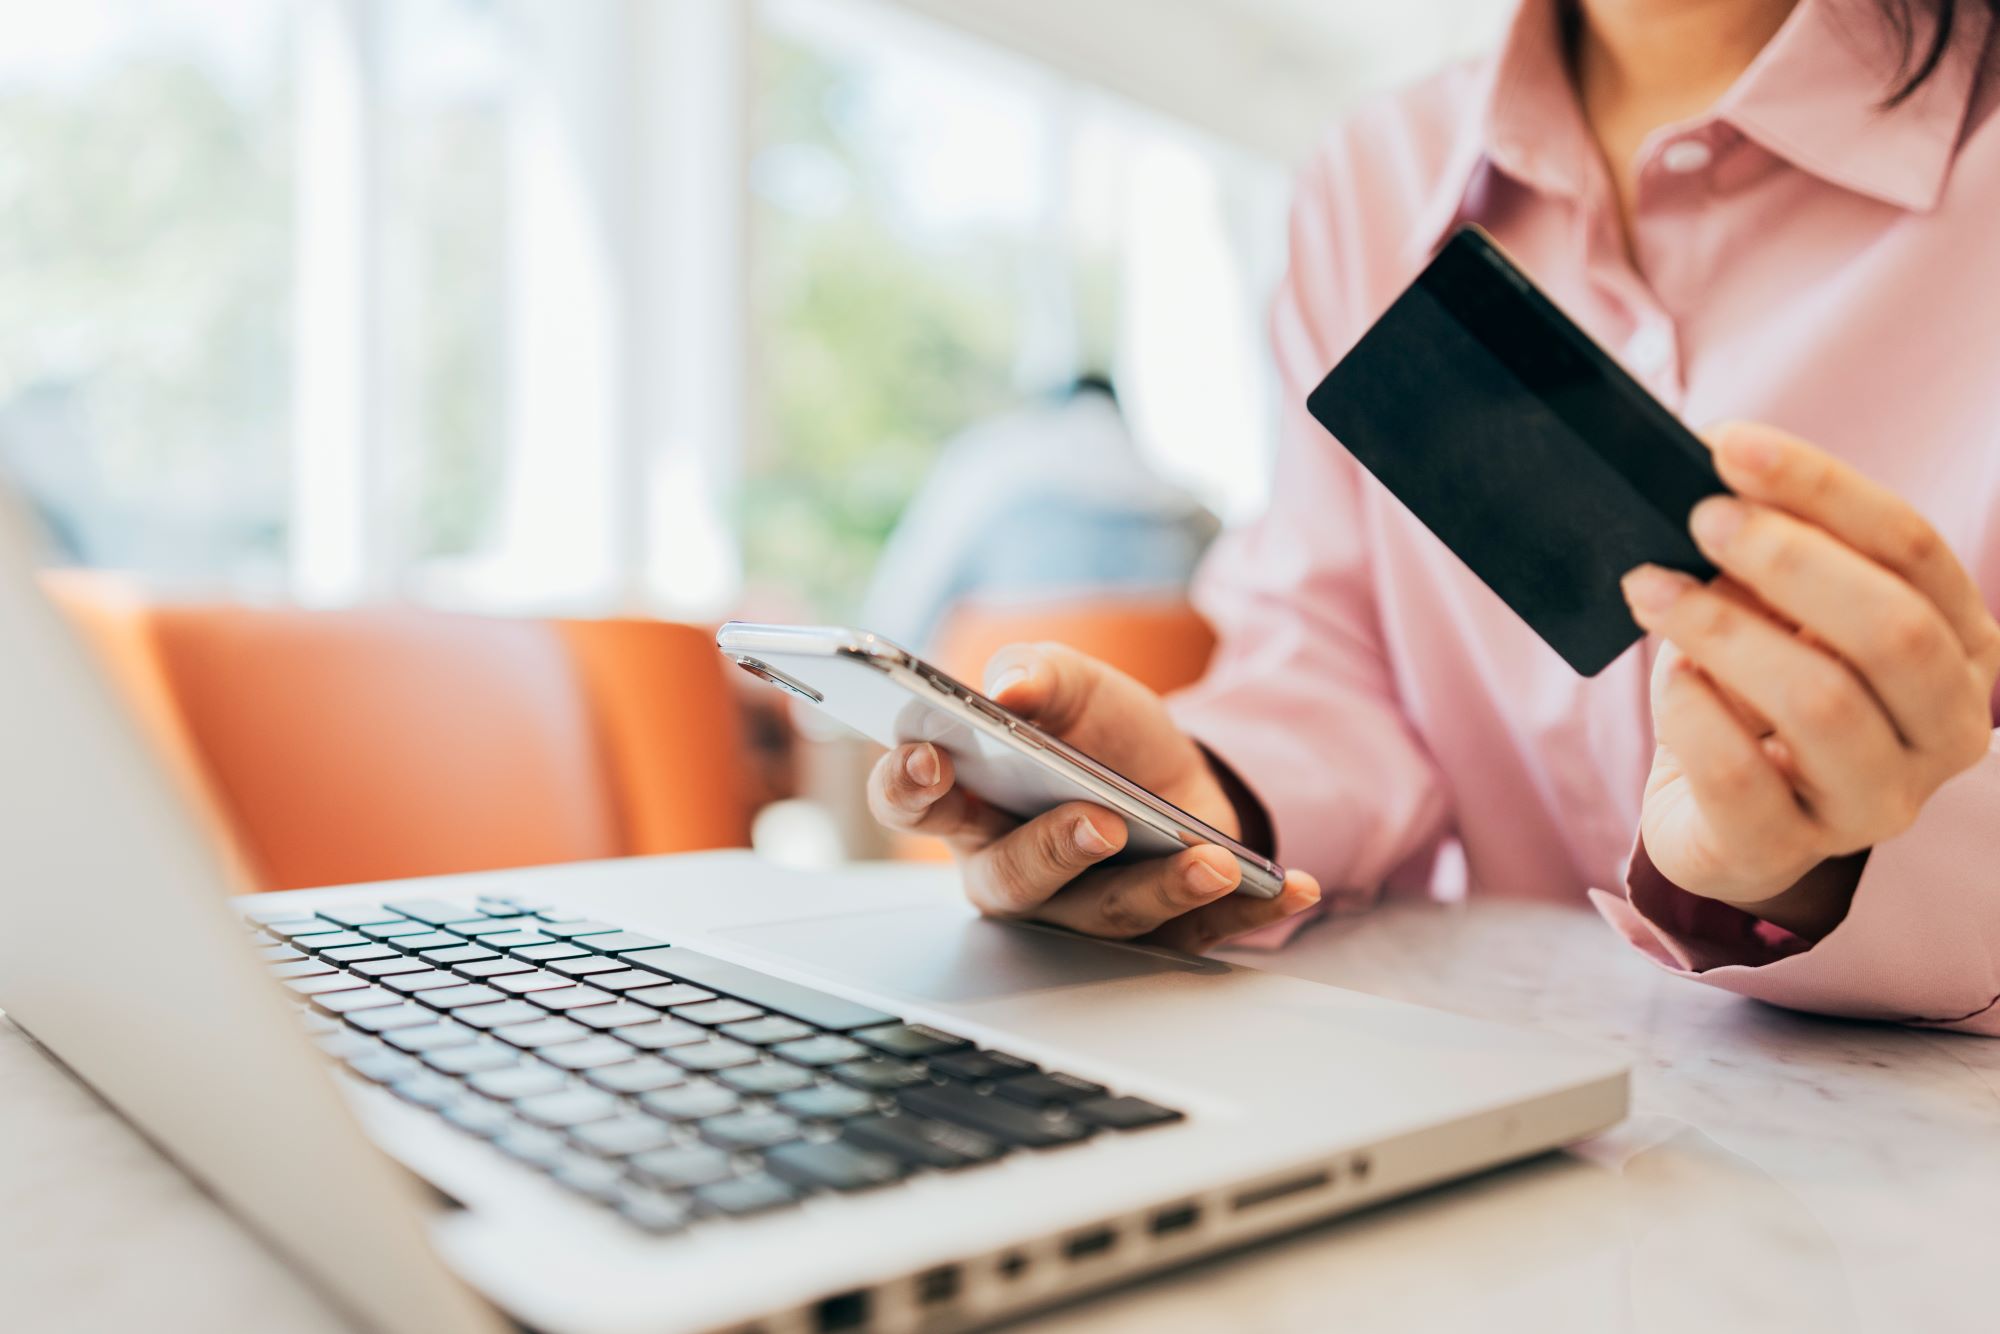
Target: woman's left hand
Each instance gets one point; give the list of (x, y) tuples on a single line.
[(1814, 696)]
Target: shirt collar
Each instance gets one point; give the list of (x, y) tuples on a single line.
[(1813, 97)]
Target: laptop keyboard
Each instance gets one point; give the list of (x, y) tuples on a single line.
[(661, 1082)]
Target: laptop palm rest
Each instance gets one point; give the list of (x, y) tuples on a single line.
[(946, 955)]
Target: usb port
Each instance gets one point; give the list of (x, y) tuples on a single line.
[(937, 1285), (1086, 1244), (1179, 1218)]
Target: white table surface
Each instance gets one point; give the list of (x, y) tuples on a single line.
[(1779, 1173)]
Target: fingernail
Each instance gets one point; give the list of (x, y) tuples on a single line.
[(1204, 880), (1749, 451), (1006, 681), (922, 766), (1716, 520), (1089, 841), (1652, 590)]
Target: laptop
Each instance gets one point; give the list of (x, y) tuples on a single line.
[(696, 1093)]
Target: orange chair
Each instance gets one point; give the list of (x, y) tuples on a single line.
[(346, 746), (1164, 643)]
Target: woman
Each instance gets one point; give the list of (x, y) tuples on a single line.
[(1773, 211)]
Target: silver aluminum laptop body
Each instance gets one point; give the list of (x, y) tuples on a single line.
[(1302, 1101)]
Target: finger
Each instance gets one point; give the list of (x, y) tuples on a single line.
[(1764, 464), (1837, 732), (1121, 902), (912, 790), (1205, 928), (1887, 630), (1094, 707), (1017, 872), (1743, 794)]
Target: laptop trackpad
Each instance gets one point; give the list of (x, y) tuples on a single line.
[(943, 954)]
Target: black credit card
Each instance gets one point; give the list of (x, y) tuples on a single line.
[(1518, 441)]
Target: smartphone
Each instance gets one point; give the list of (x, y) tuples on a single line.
[(891, 696)]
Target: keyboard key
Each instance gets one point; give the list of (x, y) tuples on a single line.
[(826, 1102), (1126, 1113), (763, 1032), (569, 998), (719, 1012), (588, 1053), (534, 1146), (343, 1045), (395, 930), (571, 1107), (822, 1050), (880, 1075), (493, 926), (386, 1018), (609, 943), (330, 940), (384, 1067), (586, 965), (524, 1080), (472, 1060), (655, 1213), (457, 955), (640, 1076), (620, 978), (923, 1143), (513, 940), (428, 1090), (484, 1119), (592, 1177), (485, 968), (833, 1166), (672, 994), (358, 953), (743, 1131), (302, 968), (285, 953), (619, 1015), (1048, 1090), (431, 979), (666, 1033), (690, 1102), (372, 915), (543, 1033), (910, 1040), (459, 997), (342, 999), (746, 1195), (539, 980), (561, 949), (498, 1016), (565, 930), (305, 926), (1009, 1122), (715, 1054), (981, 1066), (683, 1169), (430, 1037), (434, 912), (800, 1002), (401, 963), (766, 1079), (432, 940), (624, 1136)]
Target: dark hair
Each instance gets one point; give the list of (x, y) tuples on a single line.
[(1919, 57)]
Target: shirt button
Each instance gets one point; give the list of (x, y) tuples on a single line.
[(1684, 157), (1649, 349)]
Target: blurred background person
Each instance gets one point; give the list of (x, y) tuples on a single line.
[(1049, 502)]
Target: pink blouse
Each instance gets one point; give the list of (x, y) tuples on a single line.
[(1804, 258)]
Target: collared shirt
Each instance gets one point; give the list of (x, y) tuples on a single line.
[(1799, 255)]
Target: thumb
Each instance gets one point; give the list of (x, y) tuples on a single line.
[(1093, 706)]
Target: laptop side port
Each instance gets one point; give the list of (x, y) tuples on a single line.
[(937, 1286), (1175, 1218), (1086, 1245), (1011, 1266), (1282, 1189), (842, 1311)]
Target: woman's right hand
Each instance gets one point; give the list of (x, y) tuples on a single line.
[(1048, 868)]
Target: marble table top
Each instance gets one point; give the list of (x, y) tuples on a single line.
[(1779, 1173)]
